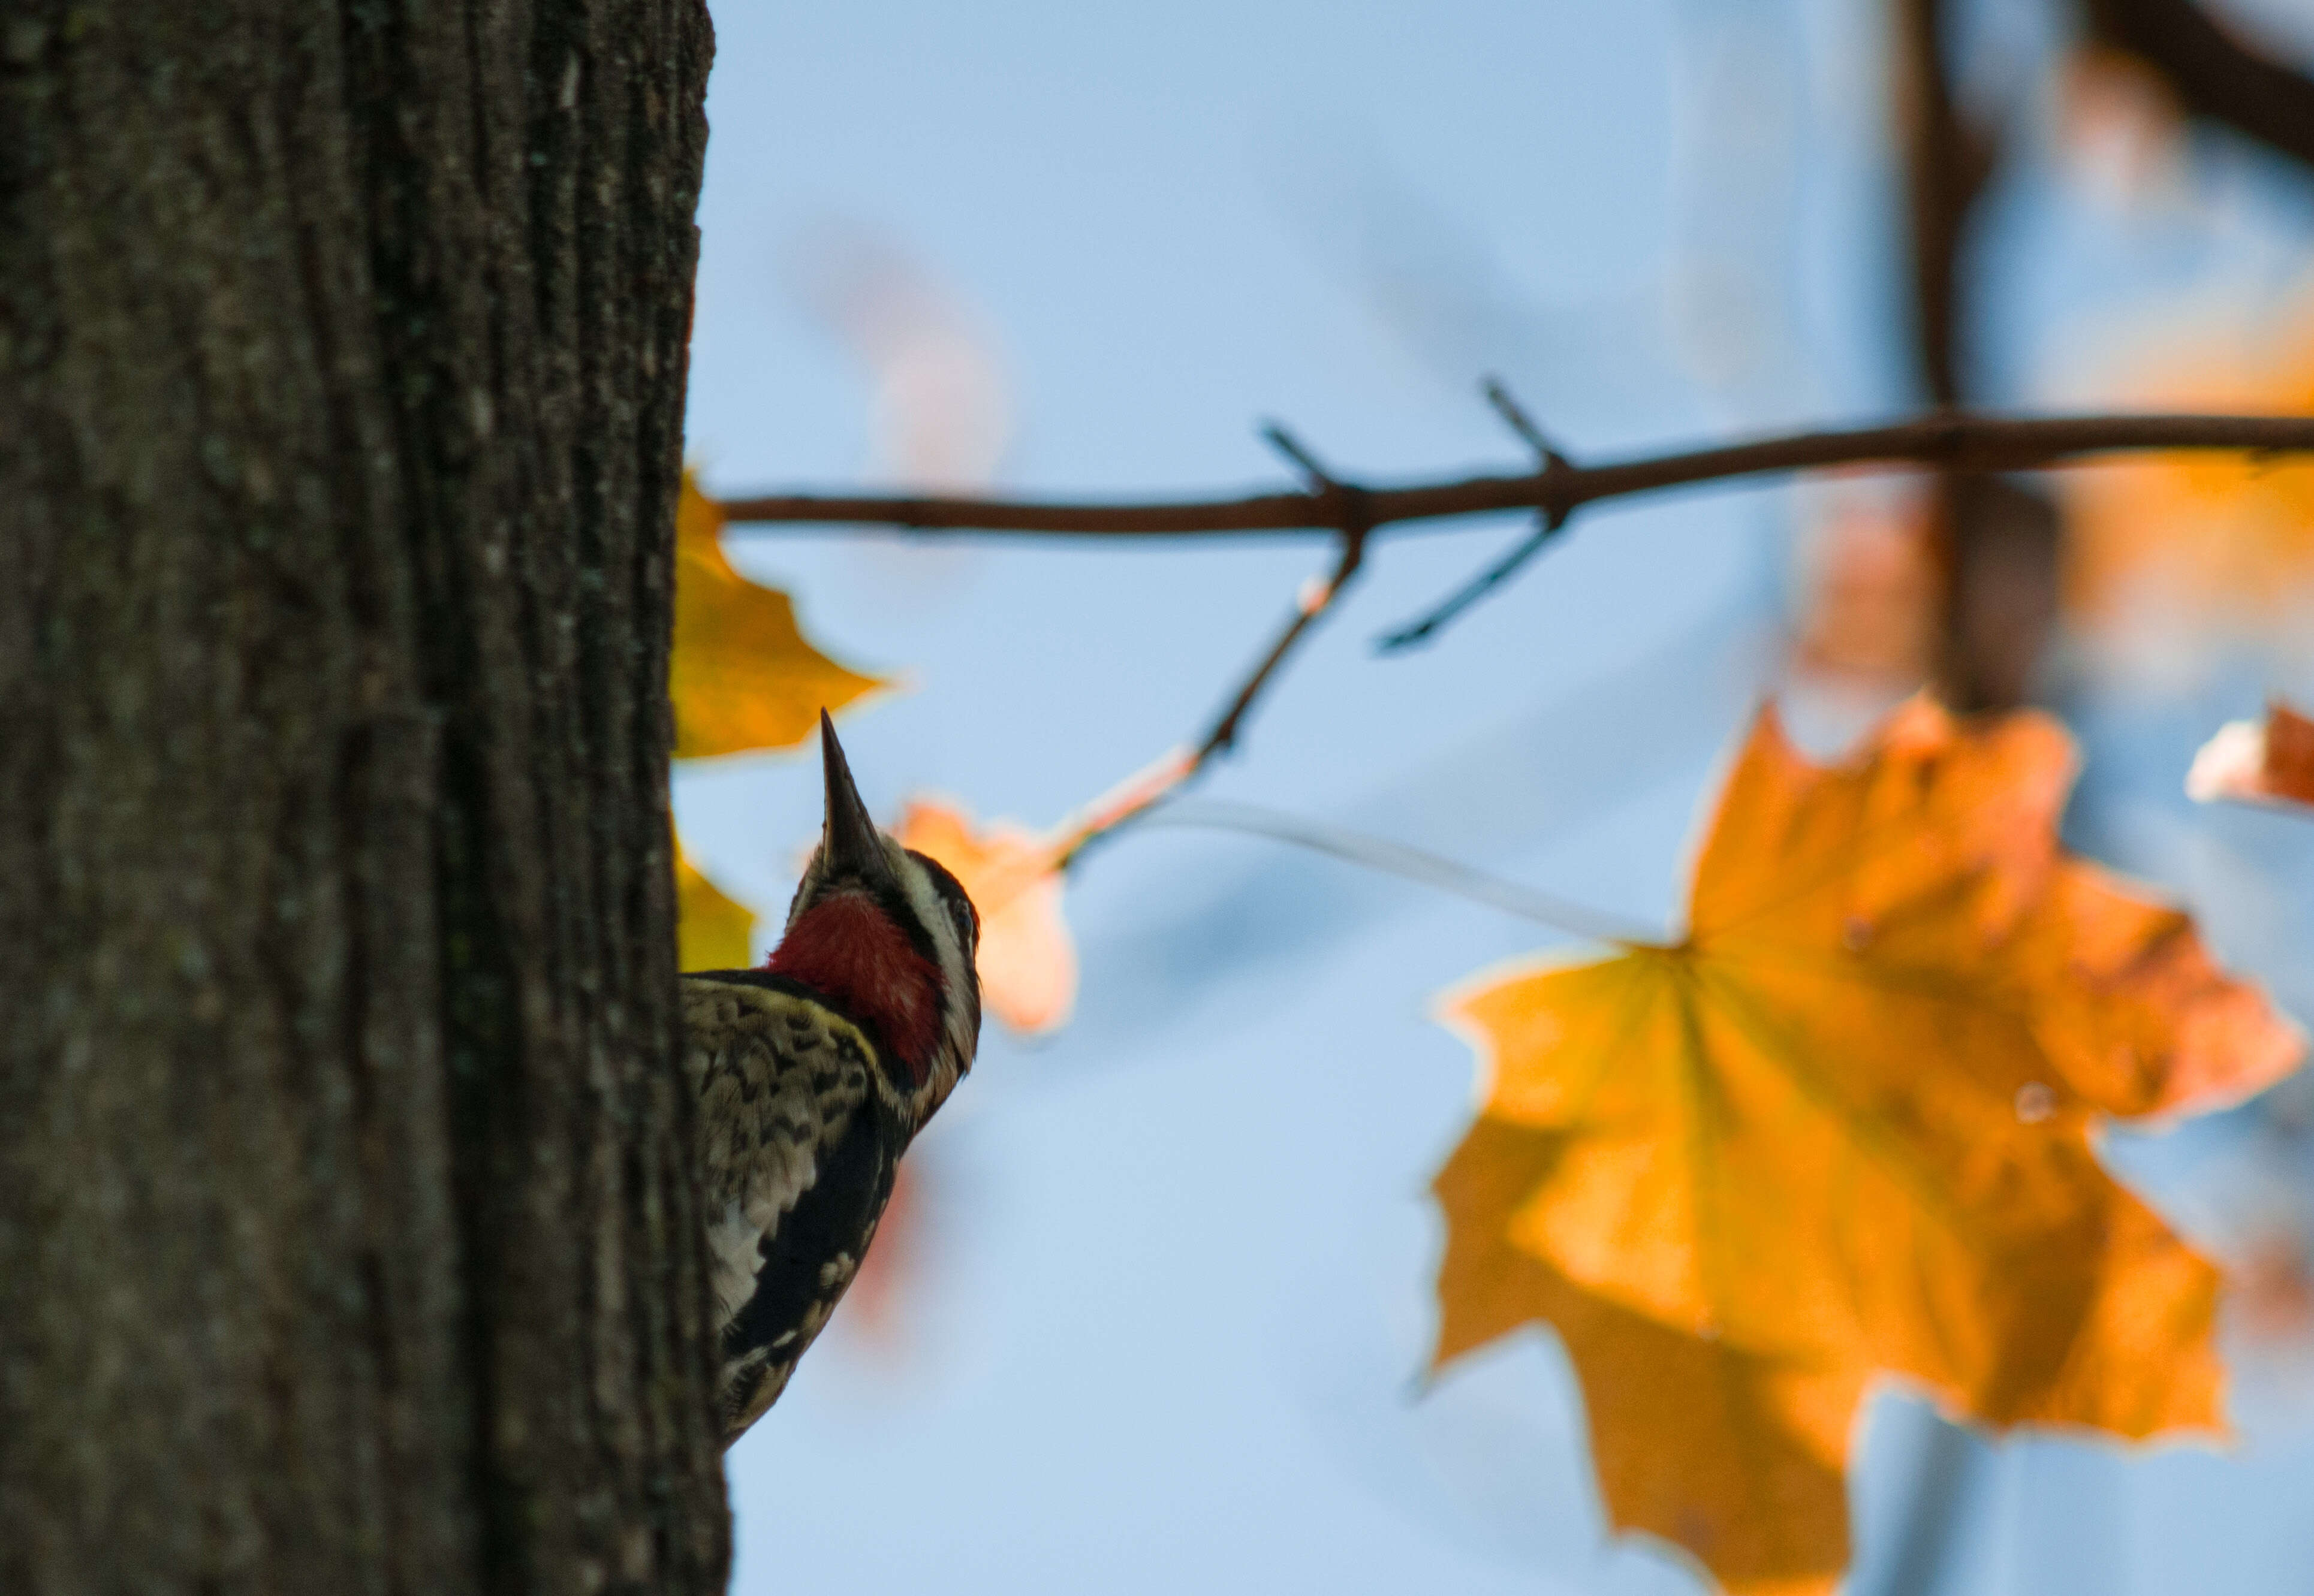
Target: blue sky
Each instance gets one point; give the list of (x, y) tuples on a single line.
[(1175, 1290)]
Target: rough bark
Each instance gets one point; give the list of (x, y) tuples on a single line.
[(346, 1243)]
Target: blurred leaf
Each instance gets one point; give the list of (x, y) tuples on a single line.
[(944, 405), (2254, 762), (2272, 1293), (1845, 1127), (712, 932), (1027, 959), (2119, 127), (1869, 611), (2161, 547), (742, 677)]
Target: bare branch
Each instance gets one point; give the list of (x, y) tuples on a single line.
[(1547, 525), (2214, 73), (1353, 514), (1954, 440), (1352, 522), (1948, 162)]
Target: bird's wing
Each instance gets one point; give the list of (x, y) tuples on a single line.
[(797, 1155)]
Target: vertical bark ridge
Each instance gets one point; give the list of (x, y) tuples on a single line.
[(348, 1238)]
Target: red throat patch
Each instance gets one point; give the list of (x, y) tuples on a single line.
[(848, 948)]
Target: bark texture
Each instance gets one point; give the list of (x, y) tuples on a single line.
[(346, 1243)]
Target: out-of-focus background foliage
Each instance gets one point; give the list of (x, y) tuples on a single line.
[(1163, 1294)]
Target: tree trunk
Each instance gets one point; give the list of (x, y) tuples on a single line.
[(1997, 540), (346, 1241)]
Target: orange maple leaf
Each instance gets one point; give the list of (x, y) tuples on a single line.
[(1871, 585), (1027, 959), (2269, 761), (1844, 1128), (742, 675), (2164, 545)]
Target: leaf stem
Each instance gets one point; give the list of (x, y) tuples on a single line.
[(1412, 864)]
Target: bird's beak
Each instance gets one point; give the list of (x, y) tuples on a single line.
[(851, 846)]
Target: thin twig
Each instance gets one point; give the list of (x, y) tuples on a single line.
[(1352, 523), (1315, 602), (1954, 440), (1548, 524), (1159, 785), (1421, 630), (1321, 481), (1520, 422), (2213, 72)]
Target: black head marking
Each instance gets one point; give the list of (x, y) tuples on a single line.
[(960, 906)]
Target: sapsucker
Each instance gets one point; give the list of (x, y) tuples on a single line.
[(813, 1074)]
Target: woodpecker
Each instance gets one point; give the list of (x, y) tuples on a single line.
[(812, 1076)]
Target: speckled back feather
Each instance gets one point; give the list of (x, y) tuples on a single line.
[(798, 1146)]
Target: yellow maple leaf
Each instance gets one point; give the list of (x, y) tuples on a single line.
[(712, 932), (1845, 1127), (1727, 1455), (1027, 959), (742, 675)]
